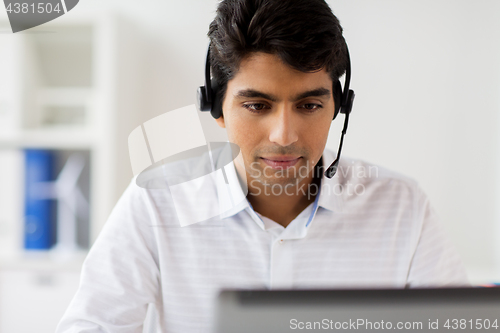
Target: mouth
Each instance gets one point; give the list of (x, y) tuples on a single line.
[(280, 162)]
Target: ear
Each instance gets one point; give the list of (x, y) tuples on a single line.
[(220, 121)]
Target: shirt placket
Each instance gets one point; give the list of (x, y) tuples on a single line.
[(281, 264)]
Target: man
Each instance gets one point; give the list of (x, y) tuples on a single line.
[(275, 63)]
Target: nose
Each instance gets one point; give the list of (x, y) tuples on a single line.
[(283, 127)]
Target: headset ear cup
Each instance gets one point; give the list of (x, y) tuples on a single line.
[(201, 99), (337, 97), (216, 110)]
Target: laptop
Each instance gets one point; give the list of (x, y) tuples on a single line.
[(375, 310)]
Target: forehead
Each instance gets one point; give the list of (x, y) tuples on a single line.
[(268, 72)]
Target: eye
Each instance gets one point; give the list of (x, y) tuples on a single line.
[(255, 107), (311, 107)]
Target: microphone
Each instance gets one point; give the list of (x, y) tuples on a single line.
[(346, 108)]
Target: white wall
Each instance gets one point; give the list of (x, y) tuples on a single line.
[(427, 79)]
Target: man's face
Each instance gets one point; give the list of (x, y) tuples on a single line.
[(275, 113)]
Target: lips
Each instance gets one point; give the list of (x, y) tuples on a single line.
[(278, 162), (281, 158)]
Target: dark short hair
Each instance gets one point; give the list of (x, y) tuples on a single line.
[(305, 34)]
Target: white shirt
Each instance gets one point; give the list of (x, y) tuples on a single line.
[(380, 233)]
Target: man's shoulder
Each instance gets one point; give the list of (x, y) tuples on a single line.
[(185, 189)]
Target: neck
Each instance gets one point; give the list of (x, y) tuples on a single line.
[(284, 207)]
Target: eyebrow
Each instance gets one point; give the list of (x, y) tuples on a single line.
[(251, 93), (320, 92)]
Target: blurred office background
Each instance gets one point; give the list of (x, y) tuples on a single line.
[(427, 80)]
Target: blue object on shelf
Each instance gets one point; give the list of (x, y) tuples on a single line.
[(39, 212)]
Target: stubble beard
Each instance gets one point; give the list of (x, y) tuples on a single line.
[(286, 180)]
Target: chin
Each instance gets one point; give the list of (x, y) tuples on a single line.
[(280, 181)]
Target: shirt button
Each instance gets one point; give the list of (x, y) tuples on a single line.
[(281, 241)]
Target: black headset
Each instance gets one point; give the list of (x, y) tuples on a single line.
[(208, 99)]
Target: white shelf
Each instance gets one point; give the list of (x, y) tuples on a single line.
[(51, 138), (56, 138), (72, 85)]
